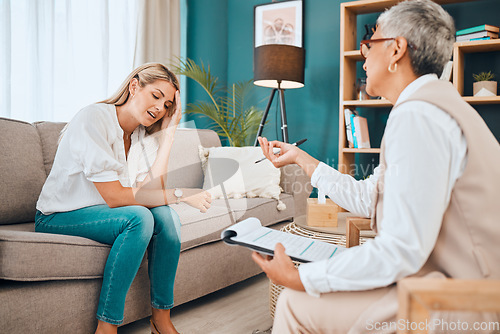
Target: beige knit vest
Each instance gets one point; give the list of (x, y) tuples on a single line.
[(468, 245)]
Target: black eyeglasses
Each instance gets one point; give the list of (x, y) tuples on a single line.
[(365, 46)]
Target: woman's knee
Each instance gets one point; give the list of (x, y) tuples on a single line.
[(167, 221), (140, 220)]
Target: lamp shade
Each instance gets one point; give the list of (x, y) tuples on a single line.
[(277, 63)]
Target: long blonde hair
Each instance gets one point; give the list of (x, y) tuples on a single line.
[(146, 74)]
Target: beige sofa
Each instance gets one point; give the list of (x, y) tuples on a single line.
[(50, 283)]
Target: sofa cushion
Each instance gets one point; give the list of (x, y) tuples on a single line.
[(22, 173), (49, 133), (236, 170), (184, 171), (199, 230), (33, 256), (30, 256)]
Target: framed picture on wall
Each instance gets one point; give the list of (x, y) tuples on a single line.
[(278, 23)]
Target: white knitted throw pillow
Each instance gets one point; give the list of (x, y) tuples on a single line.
[(236, 169)]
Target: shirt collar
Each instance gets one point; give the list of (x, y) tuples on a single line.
[(119, 130), (414, 86)]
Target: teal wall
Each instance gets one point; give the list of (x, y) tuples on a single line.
[(206, 32), (220, 32)]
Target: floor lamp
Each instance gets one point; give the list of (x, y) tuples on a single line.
[(278, 67)]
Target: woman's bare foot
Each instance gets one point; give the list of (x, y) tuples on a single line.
[(161, 322), (106, 328)]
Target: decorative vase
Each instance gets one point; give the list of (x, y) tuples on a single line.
[(485, 88)]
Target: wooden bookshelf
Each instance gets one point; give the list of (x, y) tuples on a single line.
[(350, 55), (375, 6), (368, 103), (459, 51), (482, 100), (360, 150)]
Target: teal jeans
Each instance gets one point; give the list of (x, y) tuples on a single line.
[(130, 230)]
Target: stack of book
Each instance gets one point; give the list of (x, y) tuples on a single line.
[(356, 130), (481, 32)]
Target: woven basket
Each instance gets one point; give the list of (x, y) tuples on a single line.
[(336, 239)]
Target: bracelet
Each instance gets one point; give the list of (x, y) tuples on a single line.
[(163, 189)]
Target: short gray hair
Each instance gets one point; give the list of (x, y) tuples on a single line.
[(427, 27)]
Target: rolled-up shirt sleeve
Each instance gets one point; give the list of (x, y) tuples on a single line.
[(344, 190), (91, 147)]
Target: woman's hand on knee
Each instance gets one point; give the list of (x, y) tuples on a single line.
[(197, 198)]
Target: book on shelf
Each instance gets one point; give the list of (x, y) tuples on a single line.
[(447, 71), (483, 27), (480, 34), (353, 131), (360, 132), (348, 127), (251, 234), (480, 39)]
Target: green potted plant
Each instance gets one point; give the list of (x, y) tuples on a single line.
[(484, 85), (232, 117)]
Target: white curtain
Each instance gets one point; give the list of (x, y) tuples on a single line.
[(158, 32), (57, 56)]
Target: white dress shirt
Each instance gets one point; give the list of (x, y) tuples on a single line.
[(92, 150), (426, 153)]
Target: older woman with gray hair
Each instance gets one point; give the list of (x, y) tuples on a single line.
[(432, 200)]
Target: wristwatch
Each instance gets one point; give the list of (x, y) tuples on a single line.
[(178, 193)]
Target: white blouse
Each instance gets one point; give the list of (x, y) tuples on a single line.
[(92, 150)]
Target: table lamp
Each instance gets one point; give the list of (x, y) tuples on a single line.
[(278, 67)]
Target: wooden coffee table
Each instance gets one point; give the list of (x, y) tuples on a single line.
[(340, 229)]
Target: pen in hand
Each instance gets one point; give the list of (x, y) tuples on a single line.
[(297, 143)]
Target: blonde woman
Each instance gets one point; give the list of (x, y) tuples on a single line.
[(106, 155)]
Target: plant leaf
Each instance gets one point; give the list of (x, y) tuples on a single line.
[(230, 116)]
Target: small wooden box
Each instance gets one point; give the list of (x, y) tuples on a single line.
[(321, 215)]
